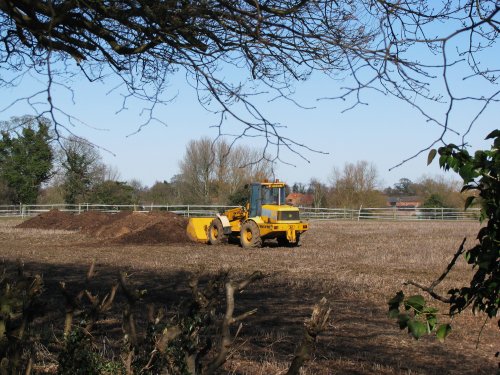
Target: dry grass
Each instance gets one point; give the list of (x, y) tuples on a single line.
[(357, 265)]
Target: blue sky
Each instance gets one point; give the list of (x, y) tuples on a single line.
[(385, 132)]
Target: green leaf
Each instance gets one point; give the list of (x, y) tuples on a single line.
[(442, 161), (443, 331), (417, 302), (431, 322), (430, 310), (394, 313), (416, 328), (467, 173), (493, 134), (431, 156)]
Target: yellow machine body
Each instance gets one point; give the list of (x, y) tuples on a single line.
[(280, 220), (266, 216), (197, 228)]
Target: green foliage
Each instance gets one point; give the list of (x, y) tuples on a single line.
[(413, 313), (481, 175), (404, 187), (77, 177), (434, 201), (240, 197), (112, 192), (161, 193), (26, 160), (481, 178), (82, 168), (298, 187), (79, 356)]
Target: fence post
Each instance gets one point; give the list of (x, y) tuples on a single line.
[(188, 210), (359, 212)]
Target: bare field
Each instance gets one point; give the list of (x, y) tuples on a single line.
[(358, 266)]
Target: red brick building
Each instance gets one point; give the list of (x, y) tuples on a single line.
[(404, 202), (299, 199)]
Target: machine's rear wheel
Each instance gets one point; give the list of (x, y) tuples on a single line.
[(283, 242), (250, 235), (216, 234)]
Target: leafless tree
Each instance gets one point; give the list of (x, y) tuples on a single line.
[(79, 168), (355, 185), (448, 189), (213, 170), (319, 192), (415, 50), (236, 165), (197, 168)]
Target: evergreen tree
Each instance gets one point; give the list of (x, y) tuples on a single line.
[(26, 159), (77, 180), (112, 192)]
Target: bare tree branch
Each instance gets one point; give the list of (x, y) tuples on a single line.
[(312, 328), (227, 339), (411, 50), (430, 289)]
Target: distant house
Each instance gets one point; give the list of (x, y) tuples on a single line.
[(299, 199), (404, 202)]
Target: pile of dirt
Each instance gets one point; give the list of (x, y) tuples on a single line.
[(126, 227)]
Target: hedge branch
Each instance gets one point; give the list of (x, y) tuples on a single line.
[(132, 297), (227, 339), (313, 327), (430, 289)]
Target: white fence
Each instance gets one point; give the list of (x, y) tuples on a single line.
[(395, 214), (185, 210)]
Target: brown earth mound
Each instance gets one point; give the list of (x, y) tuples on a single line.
[(53, 219), (124, 227)]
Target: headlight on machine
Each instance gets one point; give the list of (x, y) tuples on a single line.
[(288, 215)]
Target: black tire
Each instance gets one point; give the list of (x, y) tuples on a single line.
[(283, 242), (215, 233), (297, 236), (233, 239), (250, 235)]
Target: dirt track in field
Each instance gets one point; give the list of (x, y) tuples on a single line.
[(356, 265)]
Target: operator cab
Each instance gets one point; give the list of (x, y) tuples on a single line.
[(265, 193)]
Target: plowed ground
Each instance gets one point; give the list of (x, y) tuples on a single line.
[(358, 266)]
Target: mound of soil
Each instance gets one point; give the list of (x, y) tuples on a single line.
[(53, 219), (123, 227)]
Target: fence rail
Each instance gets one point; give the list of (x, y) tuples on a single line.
[(394, 214)]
